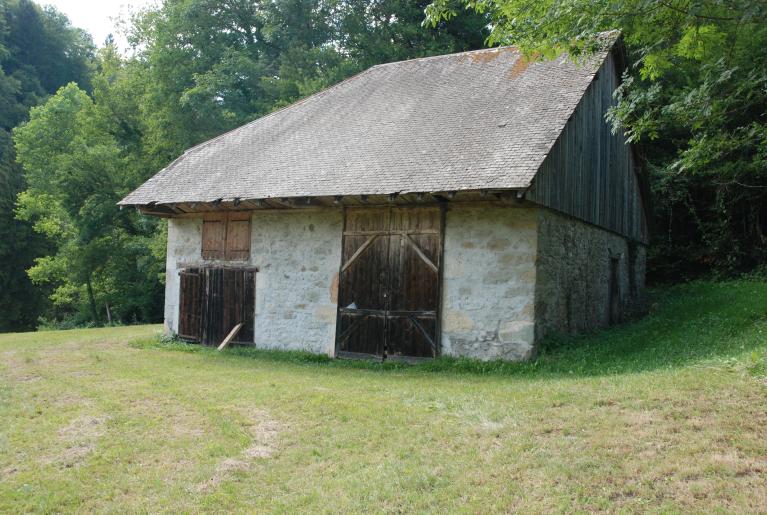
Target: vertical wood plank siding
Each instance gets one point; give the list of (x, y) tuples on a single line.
[(389, 282), (591, 173), (212, 300), (190, 307)]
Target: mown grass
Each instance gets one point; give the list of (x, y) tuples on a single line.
[(687, 324), (666, 414)]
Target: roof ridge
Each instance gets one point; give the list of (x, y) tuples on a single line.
[(442, 56), (605, 34)]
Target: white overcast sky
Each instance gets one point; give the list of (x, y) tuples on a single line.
[(99, 17)]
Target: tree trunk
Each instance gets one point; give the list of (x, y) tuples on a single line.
[(92, 300)]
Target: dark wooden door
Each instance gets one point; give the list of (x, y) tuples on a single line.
[(191, 292), (389, 282), (415, 252), (212, 300)]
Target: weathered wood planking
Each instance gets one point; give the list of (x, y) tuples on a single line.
[(238, 236), (214, 299), (362, 282), (590, 173), (190, 304), (414, 282), (213, 238), (389, 282), (226, 236)]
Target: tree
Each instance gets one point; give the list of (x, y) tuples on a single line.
[(39, 51), (74, 170), (200, 67), (393, 30), (693, 101), (212, 66)]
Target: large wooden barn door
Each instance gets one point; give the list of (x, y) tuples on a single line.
[(415, 252), (212, 300), (389, 282)]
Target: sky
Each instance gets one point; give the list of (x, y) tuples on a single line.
[(98, 16)]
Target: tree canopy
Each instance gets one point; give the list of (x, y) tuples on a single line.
[(39, 52), (107, 122), (693, 101)]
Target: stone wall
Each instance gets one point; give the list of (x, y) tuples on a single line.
[(587, 277), (297, 254), (511, 276), (184, 247), (489, 282)]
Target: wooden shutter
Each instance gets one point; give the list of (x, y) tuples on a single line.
[(226, 236), (238, 236), (214, 237)]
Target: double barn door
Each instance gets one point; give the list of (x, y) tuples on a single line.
[(389, 283), (212, 300)]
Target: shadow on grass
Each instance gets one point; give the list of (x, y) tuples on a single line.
[(688, 324)]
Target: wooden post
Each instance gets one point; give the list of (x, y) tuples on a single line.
[(230, 336)]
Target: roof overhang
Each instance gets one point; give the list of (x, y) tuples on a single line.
[(177, 209)]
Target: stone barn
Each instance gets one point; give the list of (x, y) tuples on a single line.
[(460, 205)]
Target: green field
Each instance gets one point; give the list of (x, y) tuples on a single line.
[(666, 414)]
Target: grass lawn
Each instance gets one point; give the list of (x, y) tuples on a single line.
[(666, 414)]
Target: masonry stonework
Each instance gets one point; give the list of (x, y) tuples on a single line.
[(489, 282), (512, 275), (587, 277), (297, 254), (184, 247)]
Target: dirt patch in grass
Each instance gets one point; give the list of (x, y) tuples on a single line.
[(714, 478), (178, 420), (13, 366), (264, 432), (79, 439)]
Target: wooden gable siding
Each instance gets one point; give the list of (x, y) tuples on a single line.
[(591, 173)]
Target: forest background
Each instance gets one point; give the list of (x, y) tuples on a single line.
[(82, 124)]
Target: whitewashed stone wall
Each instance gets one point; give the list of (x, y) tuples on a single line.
[(511, 276), (488, 288), (297, 254), (184, 247)]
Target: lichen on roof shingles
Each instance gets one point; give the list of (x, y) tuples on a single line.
[(468, 121)]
